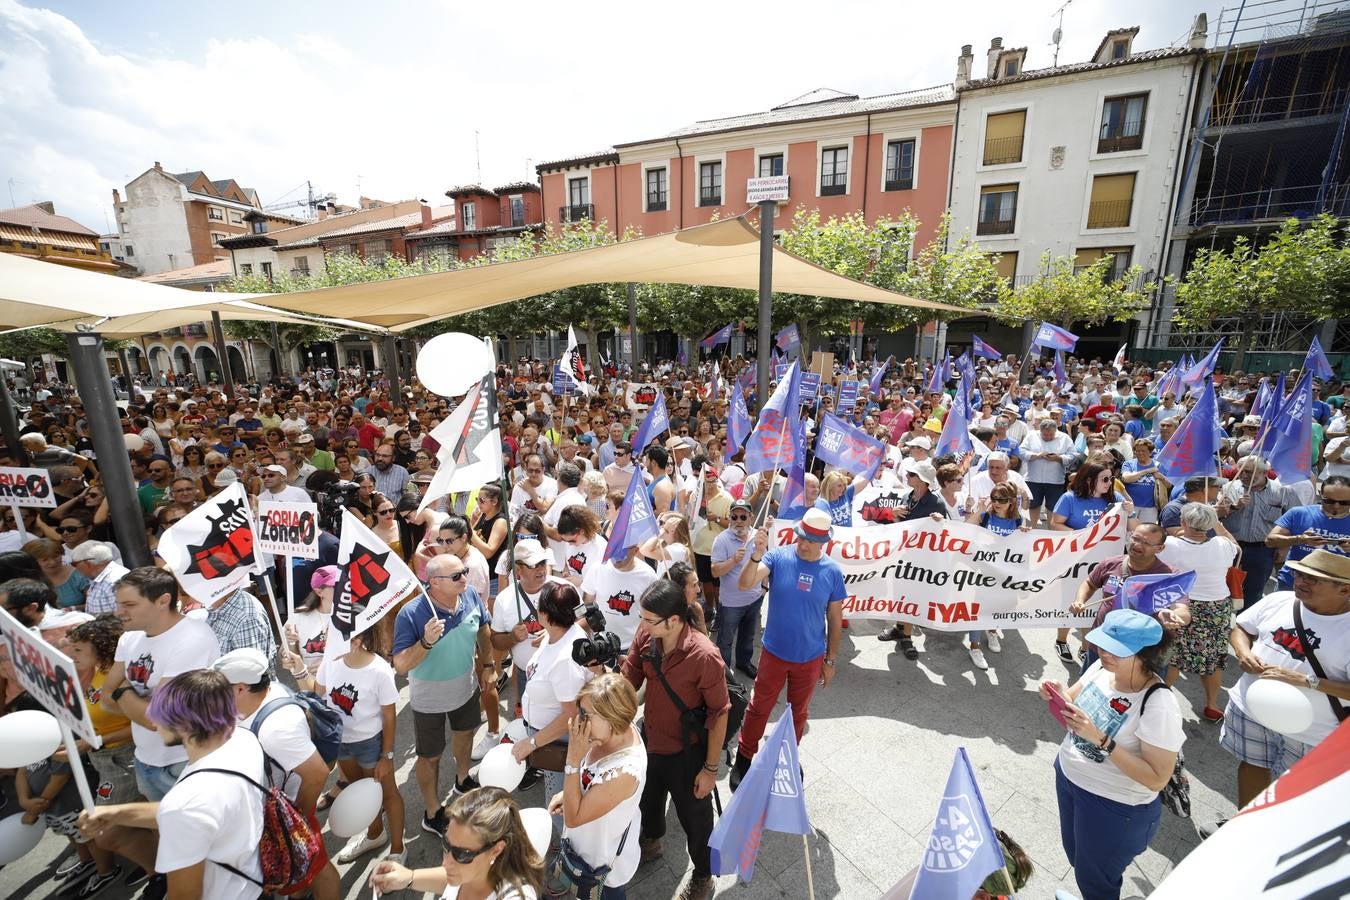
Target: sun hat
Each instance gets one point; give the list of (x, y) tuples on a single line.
[(1124, 632), (924, 470), (1322, 564), (815, 525), (246, 665), (531, 553)]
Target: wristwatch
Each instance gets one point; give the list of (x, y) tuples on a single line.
[(1313, 682), (117, 694), (831, 661), (389, 755)]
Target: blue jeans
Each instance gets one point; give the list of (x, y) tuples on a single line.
[(738, 625), (154, 781), (1102, 837), (1258, 561)]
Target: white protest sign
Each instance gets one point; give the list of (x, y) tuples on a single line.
[(212, 550), (49, 676), (26, 487), (954, 576), (288, 528)]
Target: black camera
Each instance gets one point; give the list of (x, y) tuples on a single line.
[(600, 649)]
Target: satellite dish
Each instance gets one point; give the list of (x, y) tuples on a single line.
[(1059, 33)]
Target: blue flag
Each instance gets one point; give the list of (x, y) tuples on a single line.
[(1055, 338), (1169, 383), (769, 797), (793, 504), (966, 367), (738, 423), (788, 339), (775, 444), (963, 849), (1203, 369), (983, 350), (955, 437), (720, 336), (634, 522), (1263, 393), (942, 373), (878, 373), (840, 444), (1193, 445), (1150, 593), (1291, 454), (1317, 361), (654, 423), (1265, 438), (1061, 378)]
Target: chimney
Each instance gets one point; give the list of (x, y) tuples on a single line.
[(963, 64), (117, 196), (1199, 32), (158, 167), (47, 206), (995, 48), (426, 215), (322, 210)]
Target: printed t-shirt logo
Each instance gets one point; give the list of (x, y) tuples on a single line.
[(316, 643), (345, 697), (1120, 705), (141, 669), (576, 562), (805, 581), (881, 509), (1289, 641), (622, 602), (105, 790)]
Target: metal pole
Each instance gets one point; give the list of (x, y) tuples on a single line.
[(766, 208), (632, 328), (125, 359), (9, 422), (391, 369), (222, 356), (105, 430)]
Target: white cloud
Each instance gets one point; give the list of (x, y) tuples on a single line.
[(393, 94)]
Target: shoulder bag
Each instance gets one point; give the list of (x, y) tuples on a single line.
[(1176, 794), (1337, 709)]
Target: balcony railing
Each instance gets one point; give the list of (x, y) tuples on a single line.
[(833, 186), (1002, 151), (995, 226), (1109, 214), (1125, 136), (517, 219), (709, 197), (576, 212), (1300, 202), (656, 205), (899, 184)]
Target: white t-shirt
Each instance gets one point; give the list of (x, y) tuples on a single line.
[(554, 679), (522, 502), (1209, 561), (979, 485), (617, 594), (360, 695), (1277, 644), (476, 569), (188, 645), (568, 497), (507, 612), (288, 494), (503, 892), (312, 630), (597, 840), (1117, 714), (217, 818), (284, 736), (578, 560)]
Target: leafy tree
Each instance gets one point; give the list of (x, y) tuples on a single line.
[(32, 342), (962, 275), (1067, 295), (1302, 269)]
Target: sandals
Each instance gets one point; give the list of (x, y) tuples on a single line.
[(327, 797)]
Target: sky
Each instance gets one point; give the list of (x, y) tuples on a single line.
[(398, 99)]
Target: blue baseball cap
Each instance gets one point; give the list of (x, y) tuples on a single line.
[(1124, 632)]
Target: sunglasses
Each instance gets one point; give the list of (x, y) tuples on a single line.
[(70, 529), (1327, 501), (215, 465), (740, 518), (445, 541), (458, 576), (386, 512)]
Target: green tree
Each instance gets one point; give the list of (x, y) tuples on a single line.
[(962, 275), (32, 342), (1067, 295), (1303, 269)]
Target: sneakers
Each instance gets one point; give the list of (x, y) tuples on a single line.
[(992, 642), (651, 849), (890, 633), (136, 877), (1213, 715), (977, 657), (504, 679), (468, 784), (97, 882), (738, 770), (490, 740), (360, 845), (156, 888), (698, 887), (907, 647), (1062, 649), (532, 777), (74, 868), (436, 824)]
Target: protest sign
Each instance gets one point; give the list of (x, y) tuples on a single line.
[(371, 579), (954, 576), (288, 529), (26, 487), (810, 386), (213, 549), (49, 676), (640, 394), (563, 386), (848, 395)]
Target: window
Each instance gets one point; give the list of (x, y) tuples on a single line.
[(578, 200), (103, 245), (217, 237), (1120, 260), (246, 268), (517, 202), (656, 190), (710, 184), (259, 226), (833, 171), (267, 270), (1122, 123), (1119, 49), (900, 165), (468, 216), (1112, 197), (1003, 137), (998, 209), (236, 218), (215, 214), (301, 265), (770, 164), (377, 251), (129, 250), (1010, 68), (1006, 264)]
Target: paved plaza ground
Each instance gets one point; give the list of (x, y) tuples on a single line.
[(876, 758)]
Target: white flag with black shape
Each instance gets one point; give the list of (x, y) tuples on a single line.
[(371, 579), (213, 550), (470, 453), (571, 363)]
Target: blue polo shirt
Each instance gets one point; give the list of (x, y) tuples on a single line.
[(800, 594), (445, 679)]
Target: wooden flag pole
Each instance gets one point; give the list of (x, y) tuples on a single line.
[(810, 880)]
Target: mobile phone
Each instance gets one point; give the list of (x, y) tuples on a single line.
[(1057, 703)]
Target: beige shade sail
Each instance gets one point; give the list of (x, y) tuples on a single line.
[(719, 254), (137, 324)]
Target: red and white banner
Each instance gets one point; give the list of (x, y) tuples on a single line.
[(954, 576), (640, 394), (288, 528), (371, 579), (26, 487), (213, 550)]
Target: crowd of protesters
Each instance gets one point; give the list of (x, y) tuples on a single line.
[(512, 569)]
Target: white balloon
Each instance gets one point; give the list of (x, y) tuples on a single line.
[(500, 769), (539, 826), (515, 730), (16, 838), (26, 737), (134, 442), (1278, 706), (356, 807), (452, 363)]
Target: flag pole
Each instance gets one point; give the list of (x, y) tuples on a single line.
[(810, 881)]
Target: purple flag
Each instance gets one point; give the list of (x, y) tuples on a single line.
[(634, 522), (1317, 361), (1150, 593), (793, 505), (851, 449), (1291, 453), (738, 422), (1203, 369), (656, 421), (1265, 438), (769, 797), (775, 443), (1193, 445), (963, 848), (681, 354), (1263, 392), (878, 373), (788, 339), (941, 374), (1055, 338), (983, 350), (720, 336), (955, 437), (1061, 378)]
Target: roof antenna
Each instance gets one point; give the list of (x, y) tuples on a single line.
[(477, 159), (1059, 32)]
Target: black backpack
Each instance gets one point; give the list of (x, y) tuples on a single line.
[(694, 722)]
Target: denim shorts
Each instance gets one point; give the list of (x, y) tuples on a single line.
[(154, 781), (366, 753)]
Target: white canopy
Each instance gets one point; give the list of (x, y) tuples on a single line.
[(136, 324), (719, 254)]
